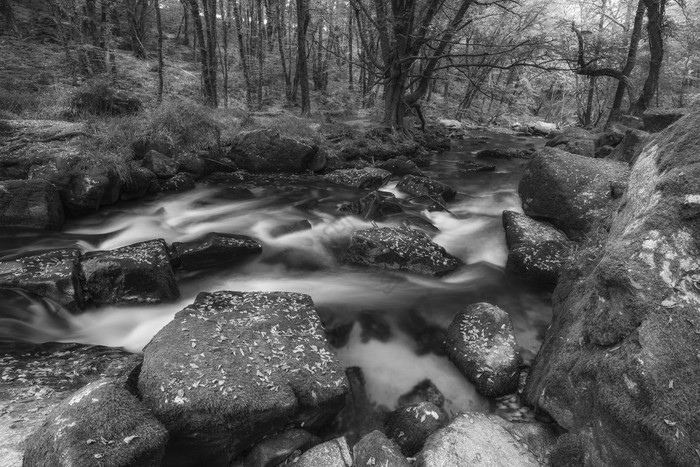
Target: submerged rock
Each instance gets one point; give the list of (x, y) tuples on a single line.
[(33, 204), (410, 425), (536, 250), (137, 273), (376, 449), (424, 186), (213, 250), (476, 439), (619, 367), (55, 275), (101, 424), (267, 151), (505, 153), (400, 248), (235, 367), (469, 166), (575, 193), (480, 342), (369, 177)]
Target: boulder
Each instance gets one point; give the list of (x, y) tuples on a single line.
[(83, 184), (400, 166), (536, 250), (55, 275), (177, 183), (235, 367), (629, 148), (334, 453), (376, 449), (137, 273), (610, 137), (424, 186), (100, 424), (213, 250), (400, 248), (410, 425), (505, 153), (574, 140), (141, 147), (476, 439), (480, 342), (656, 120), (192, 164), (163, 166), (380, 147), (278, 448), (267, 151), (376, 205), (33, 204), (369, 177), (619, 367), (139, 181), (425, 391), (575, 193)]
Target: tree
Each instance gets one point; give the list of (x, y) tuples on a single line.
[(159, 26), (206, 38), (303, 19), (137, 15), (655, 19)]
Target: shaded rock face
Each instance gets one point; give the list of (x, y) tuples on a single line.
[(424, 186), (160, 164), (334, 453), (376, 449), (575, 193), (83, 185), (476, 439), (536, 250), (141, 147), (267, 151), (620, 366), (480, 342), (276, 449), (55, 275), (192, 164), (369, 177), (400, 248), (409, 426), (234, 367), (34, 204), (375, 205), (139, 182), (137, 273), (629, 148), (212, 250), (102, 423), (656, 120), (574, 140)]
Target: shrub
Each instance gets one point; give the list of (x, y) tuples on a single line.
[(99, 98), (185, 124)]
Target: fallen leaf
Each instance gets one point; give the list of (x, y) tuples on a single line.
[(129, 439), (91, 441), (669, 422), (670, 384)]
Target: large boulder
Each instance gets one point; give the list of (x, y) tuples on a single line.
[(234, 367), (400, 248), (477, 439), (267, 151), (368, 177), (629, 148), (84, 185), (656, 120), (33, 204), (137, 273), (55, 275), (537, 250), (410, 425), (424, 186), (620, 366), (101, 424), (574, 140), (481, 343), (213, 250), (575, 193)]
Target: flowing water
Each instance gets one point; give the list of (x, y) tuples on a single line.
[(388, 323)]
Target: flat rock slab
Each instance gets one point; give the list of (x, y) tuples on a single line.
[(402, 249), (55, 275), (100, 424), (137, 273), (369, 177), (34, 204), (480, 342), (234, 367), (424, 186), (536, 250), (475, 439), (212, 250)]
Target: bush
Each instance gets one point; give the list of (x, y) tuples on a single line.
[(16, 102), (185, 124), (99, 98)]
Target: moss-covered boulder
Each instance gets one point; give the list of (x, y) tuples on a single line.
[(137, 273), (401, 249), (235, 367), (267, 151), (537, 250), (629, 148), (100, 424), (33, 204), (212, 250), (163, 166), (576, 194), (368, 177), (574, 140), (620, 365), (55, 275), (425, 186), (480, 342)]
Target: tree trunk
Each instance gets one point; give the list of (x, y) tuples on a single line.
[(261, 53), (208, 88), (350, 58), (241, 51), (159, 26), (302, 67), (225, 12), (655, 18), (281, 30), (9, 15)]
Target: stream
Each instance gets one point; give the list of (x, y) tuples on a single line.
[(391, 324)]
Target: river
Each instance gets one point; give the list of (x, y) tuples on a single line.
[(388, 323)]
